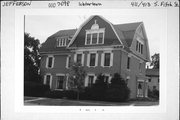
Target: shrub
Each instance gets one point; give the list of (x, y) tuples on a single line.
[(118, 90), (55, 94), (70, 94), (153, 93), (35, 89)]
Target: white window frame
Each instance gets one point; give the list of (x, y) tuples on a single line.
[(140, 66), (109, 75), (103, 58), (45, 79), (64, 41), (129, 56), (87, 79), (82, 59), (67, 61), (47, 61), (140, 42), (89, 59), (59, 74), (98, 31)]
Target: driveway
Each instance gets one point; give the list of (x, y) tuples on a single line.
[(65, 102)]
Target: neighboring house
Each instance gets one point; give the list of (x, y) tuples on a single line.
[(101, 47), (153, 80)]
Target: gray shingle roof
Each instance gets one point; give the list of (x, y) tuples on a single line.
[(124, 31), (152, 72), (50, 44)]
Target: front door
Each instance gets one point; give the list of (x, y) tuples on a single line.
[(140, 87)]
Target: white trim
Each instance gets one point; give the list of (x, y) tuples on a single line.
[(59, 74), (45, 79), (129, 56), (63, 40), (91, 32), (87, 79), (111, 58), (47, 61), (82, 61), (67, 61), (112, 28), (81, 26), (146, 42), (140, 80), (89, 58), (77, 32), (82, 57), (67, 79), (109, 75)]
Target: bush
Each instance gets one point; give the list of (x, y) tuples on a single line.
[(35, 89), (153, 94), (70, 94), (118, 90)]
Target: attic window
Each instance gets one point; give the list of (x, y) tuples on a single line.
[(139, 45), (95, 35), (62, 41)]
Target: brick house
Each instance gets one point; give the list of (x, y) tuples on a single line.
[(101, 47)]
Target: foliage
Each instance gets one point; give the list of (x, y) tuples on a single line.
[(35, 89), (31, 58), (54, 94), (153, 93), (118, 90), (155, 61), (98, 90), (76, 78)]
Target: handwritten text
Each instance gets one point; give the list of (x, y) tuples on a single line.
[(16, 3)]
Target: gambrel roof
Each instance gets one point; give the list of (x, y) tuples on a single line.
[(126, 32), (123, 35), (50, 44)]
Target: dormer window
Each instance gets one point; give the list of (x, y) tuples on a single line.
[(62, 41), (95, 35)]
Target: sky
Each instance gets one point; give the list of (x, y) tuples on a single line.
[(43, 26)]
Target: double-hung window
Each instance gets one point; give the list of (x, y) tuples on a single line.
[(63, 41), (90, 80), (107, 59), (92, 59), (49, 62), (128, 63), (139, 46), (47, 79), (60, 81), (68, 61), (79, 58), (94, 37)]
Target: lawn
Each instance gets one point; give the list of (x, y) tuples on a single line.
[(65, 102)]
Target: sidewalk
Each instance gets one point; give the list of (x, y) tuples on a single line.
[(66, 102)]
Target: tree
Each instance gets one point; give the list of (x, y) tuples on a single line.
[(98, 90), (155, 61), (77, 77), (31, 58), (118, 90)]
